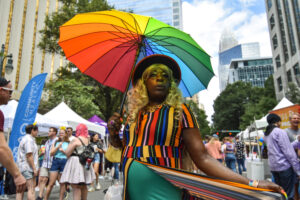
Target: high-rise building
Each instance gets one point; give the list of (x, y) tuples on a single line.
[(230, 50), (21, 22), (167, 11), (251, 70), (284, 29)]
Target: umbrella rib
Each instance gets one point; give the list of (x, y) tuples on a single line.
[(181, 49), (128, 50), (113, 17), (157, 30)]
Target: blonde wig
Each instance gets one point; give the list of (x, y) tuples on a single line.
[(138, 95)]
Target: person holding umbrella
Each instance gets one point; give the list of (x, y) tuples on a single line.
[(157, 128)]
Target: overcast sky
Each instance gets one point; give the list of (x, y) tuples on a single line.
[(205, 20)]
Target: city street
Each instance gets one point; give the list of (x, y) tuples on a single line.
[(98, 194)]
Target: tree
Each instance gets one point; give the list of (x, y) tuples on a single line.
[(238, 105), (293, 93), (84, 95), (200, 117)]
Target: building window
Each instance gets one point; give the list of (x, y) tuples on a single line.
[(277, 61), (279, 84), (269, 4), (176, 23), (289, 76), (245, 63), (282, 31), (297, 16), (176, 17), (290, 26), (272, 22), (275, 41), (296, 69), (175, 4)]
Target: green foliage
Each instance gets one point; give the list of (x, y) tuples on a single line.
[(83, 94), (238, 105), (200, 117), (293, 93), (50, 34)]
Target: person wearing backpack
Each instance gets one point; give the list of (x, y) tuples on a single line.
[(75, 173)]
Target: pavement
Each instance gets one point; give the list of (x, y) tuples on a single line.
[(98, 194)]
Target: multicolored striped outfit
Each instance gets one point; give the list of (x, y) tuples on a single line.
[(156, 137)]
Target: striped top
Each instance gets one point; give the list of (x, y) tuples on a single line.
[(156, 137)]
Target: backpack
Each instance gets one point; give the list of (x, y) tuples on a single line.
[(88, 153)]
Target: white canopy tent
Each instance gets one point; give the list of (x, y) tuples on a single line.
[(65, 113), (43, 122), (262, 123)]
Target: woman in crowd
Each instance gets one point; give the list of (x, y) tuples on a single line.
[(75, 173), (27, 160), (157, 127), (229, 150), (98, 148), (213, 148), (282, 158), (58, 151)]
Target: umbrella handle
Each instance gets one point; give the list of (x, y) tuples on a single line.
[(123, 101)]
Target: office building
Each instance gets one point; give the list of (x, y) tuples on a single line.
[(21, 21), (230, 49), (284, 29), (167, 11), (252, 70)]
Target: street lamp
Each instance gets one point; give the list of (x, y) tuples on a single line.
[(8, 67)]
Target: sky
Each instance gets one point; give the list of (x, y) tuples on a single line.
[(205, 20)]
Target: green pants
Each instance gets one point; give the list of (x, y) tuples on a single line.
[(144, 184)]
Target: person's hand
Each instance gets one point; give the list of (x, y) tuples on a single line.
[(61, 150), (20, 183), (114, 123), (271, 186), (35, 172)]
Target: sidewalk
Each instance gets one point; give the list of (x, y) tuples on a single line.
[(98, 194)]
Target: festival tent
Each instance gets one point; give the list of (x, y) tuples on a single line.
[(65, 113), (43, 122), (262, 122)]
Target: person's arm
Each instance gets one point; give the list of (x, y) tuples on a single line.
[(30, 160), (71, 147), (54, 149), (6, 159), (114, 125), (193, 142), (287, 149)]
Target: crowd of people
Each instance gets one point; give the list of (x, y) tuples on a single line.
[(160, 130), (57, 160)]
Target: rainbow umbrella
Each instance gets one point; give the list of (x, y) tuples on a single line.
[(106, 45)]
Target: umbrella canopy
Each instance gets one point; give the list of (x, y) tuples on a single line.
[(106, 45)]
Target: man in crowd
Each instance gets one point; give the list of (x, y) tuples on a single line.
[(6, 157), (47, 162), (240, 154), (294, 130), (69, 132), (293, 133)]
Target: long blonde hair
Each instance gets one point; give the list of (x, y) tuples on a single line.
[(138, 95)]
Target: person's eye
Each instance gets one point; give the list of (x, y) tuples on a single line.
[(152, 75), (165, 75)]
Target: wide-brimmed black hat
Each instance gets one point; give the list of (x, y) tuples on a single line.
[(273, 118), (156, 59)]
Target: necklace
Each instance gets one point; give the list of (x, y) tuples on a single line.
[(153, 108)]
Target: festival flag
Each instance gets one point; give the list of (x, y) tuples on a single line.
[(26, 110)]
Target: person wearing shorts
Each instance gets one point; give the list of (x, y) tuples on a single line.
[(98, 148), (47, 162), (27, 160), (58, 151)]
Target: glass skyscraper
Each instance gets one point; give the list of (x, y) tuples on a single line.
[(247, 50), (254, 70), (167, 11)]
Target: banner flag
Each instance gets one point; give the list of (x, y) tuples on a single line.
[(26, 110)]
